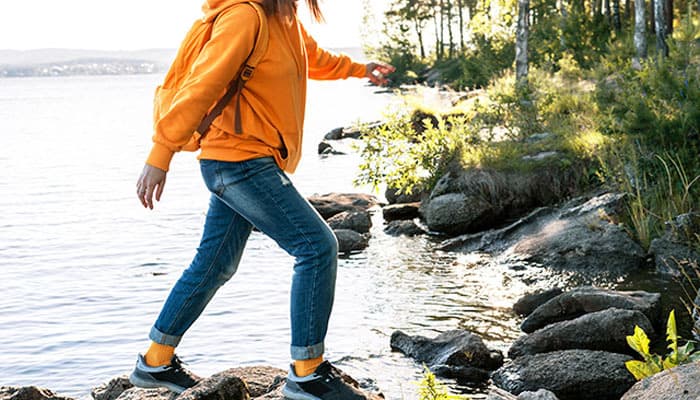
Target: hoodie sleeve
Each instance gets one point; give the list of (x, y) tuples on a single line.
[(232, 40), (326, 65)]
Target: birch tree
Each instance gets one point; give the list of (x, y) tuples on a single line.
[(660, 24), (640, 27), (521, 62)]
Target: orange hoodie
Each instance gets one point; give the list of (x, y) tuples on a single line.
[(272, 102)]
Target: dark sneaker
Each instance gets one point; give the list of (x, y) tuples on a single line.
[(174, 376), (326, 383)]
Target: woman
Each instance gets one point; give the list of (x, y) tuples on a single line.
[(245, 173)]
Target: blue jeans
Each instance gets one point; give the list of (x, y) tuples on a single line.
[(246, 194)]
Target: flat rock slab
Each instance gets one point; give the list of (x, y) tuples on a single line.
[(28, 393), (454, 348), (680, 383), (586, 300), (605, 330), (331, 204), (396, 212), (569, 374)]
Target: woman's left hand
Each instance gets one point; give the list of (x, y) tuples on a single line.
[(377, 72)]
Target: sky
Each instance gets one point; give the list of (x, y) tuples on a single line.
[(141, 24)]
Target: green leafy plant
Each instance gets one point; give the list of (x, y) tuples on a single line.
[(654, 363), (429, 388)]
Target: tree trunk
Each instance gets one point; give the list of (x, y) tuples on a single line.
[(652, 17), (628, 9), (436, 23), (419, 34), (660, 22), (449, 30), (640, 25), (442, 29), (608, 14), (460, 5), (562, 22), (521, 62), (668, 8), (617, 23)]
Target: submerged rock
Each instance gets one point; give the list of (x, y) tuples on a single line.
[(605, 330), (349, 241), (528, 303), (394, 197), (358, 221), (28, 393), (464, 375), (452, 348), (406, 228), (585, 300), (331, 204), (680, 383), (569, 374)]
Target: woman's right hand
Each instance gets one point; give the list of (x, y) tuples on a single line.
[(152, 180)]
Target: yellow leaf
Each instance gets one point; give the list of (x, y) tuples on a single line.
[(669, 363), (640, 369), (639, 342), (672, 335)]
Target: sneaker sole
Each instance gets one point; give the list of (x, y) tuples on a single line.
[(295, 395), (149, 383)]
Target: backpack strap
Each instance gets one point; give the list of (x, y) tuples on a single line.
[(244, 75)]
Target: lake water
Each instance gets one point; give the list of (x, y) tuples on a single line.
[(84, 268)]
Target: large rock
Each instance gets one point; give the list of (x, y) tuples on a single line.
[(680, 383), (569, 374), (586, 300), (676, 251), (331, 204), (350, 241), (605, 330), (28, 393), (455, 348), (358, 221), (350, 132), (112, 389), (403, 211), (528, 303), (542, 394), (476, 199), (579, 236)]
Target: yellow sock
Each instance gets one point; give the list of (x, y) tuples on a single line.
[(306, 367), (159, 354)]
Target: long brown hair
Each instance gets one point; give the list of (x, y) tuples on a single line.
[(274, 7)]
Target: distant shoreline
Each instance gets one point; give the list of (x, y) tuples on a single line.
[(72, 62)]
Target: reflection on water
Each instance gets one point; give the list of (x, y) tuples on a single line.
[(85, 270)]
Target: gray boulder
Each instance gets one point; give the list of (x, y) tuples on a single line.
[(349, 240), (406, 228), (586, 300), (676, 251), (331, 204), (528, 303), (569, 374), (112, 389), (402, 211), (454, 348), (465, 201), (28, 393), (358, 221), (151, 394), (680, 383), (605, 330)]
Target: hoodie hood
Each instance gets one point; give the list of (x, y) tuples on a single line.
[(212, 8)]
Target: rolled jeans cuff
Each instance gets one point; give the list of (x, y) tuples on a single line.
[(307, 352), (162, 338)]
